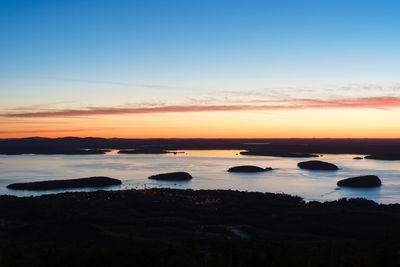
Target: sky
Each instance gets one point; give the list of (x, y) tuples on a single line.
[(200, 69)]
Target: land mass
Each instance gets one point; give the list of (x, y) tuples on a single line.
[(172, 176), (361, 181), (146, 151), (387, 156), (98, 181), (170, 227), (248, 168), (256, 152), (317, 165), (255, 147)]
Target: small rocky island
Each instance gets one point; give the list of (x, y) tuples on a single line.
[(98, 181), (172, 176), (388, 156), (248, 168), (317, 165), (361, 181)]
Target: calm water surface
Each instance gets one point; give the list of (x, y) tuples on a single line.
[(208, 168)]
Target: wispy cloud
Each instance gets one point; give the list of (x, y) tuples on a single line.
[(289, 104), (325, 91), (42, 131), (118, 83)]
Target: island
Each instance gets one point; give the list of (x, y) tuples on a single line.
[(317, 165), (66, 151), (172, 176), (143, 151), (388, 156), (361, 181), (248, 168), (98, 181), (278, 154)]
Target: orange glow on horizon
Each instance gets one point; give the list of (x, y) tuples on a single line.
[(321, 123)]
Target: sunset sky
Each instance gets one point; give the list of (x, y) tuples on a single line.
[(200, 69)]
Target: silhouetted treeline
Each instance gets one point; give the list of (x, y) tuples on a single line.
[(169, 227)]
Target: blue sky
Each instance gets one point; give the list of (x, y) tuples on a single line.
[(201, 42), (77, 54)]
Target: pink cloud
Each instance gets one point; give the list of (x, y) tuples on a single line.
[(42, 131), (370, 102)]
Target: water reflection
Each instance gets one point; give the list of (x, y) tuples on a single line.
[(209, 171), (369, 193)]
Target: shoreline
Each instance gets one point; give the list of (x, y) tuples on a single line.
[(60, 193)]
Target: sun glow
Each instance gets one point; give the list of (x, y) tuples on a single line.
[(304, 123)]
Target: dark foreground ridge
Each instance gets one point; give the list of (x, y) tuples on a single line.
[(65, 184), (248, 168), (361, 181), (172, 176), (169, 227), (317, 165)]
